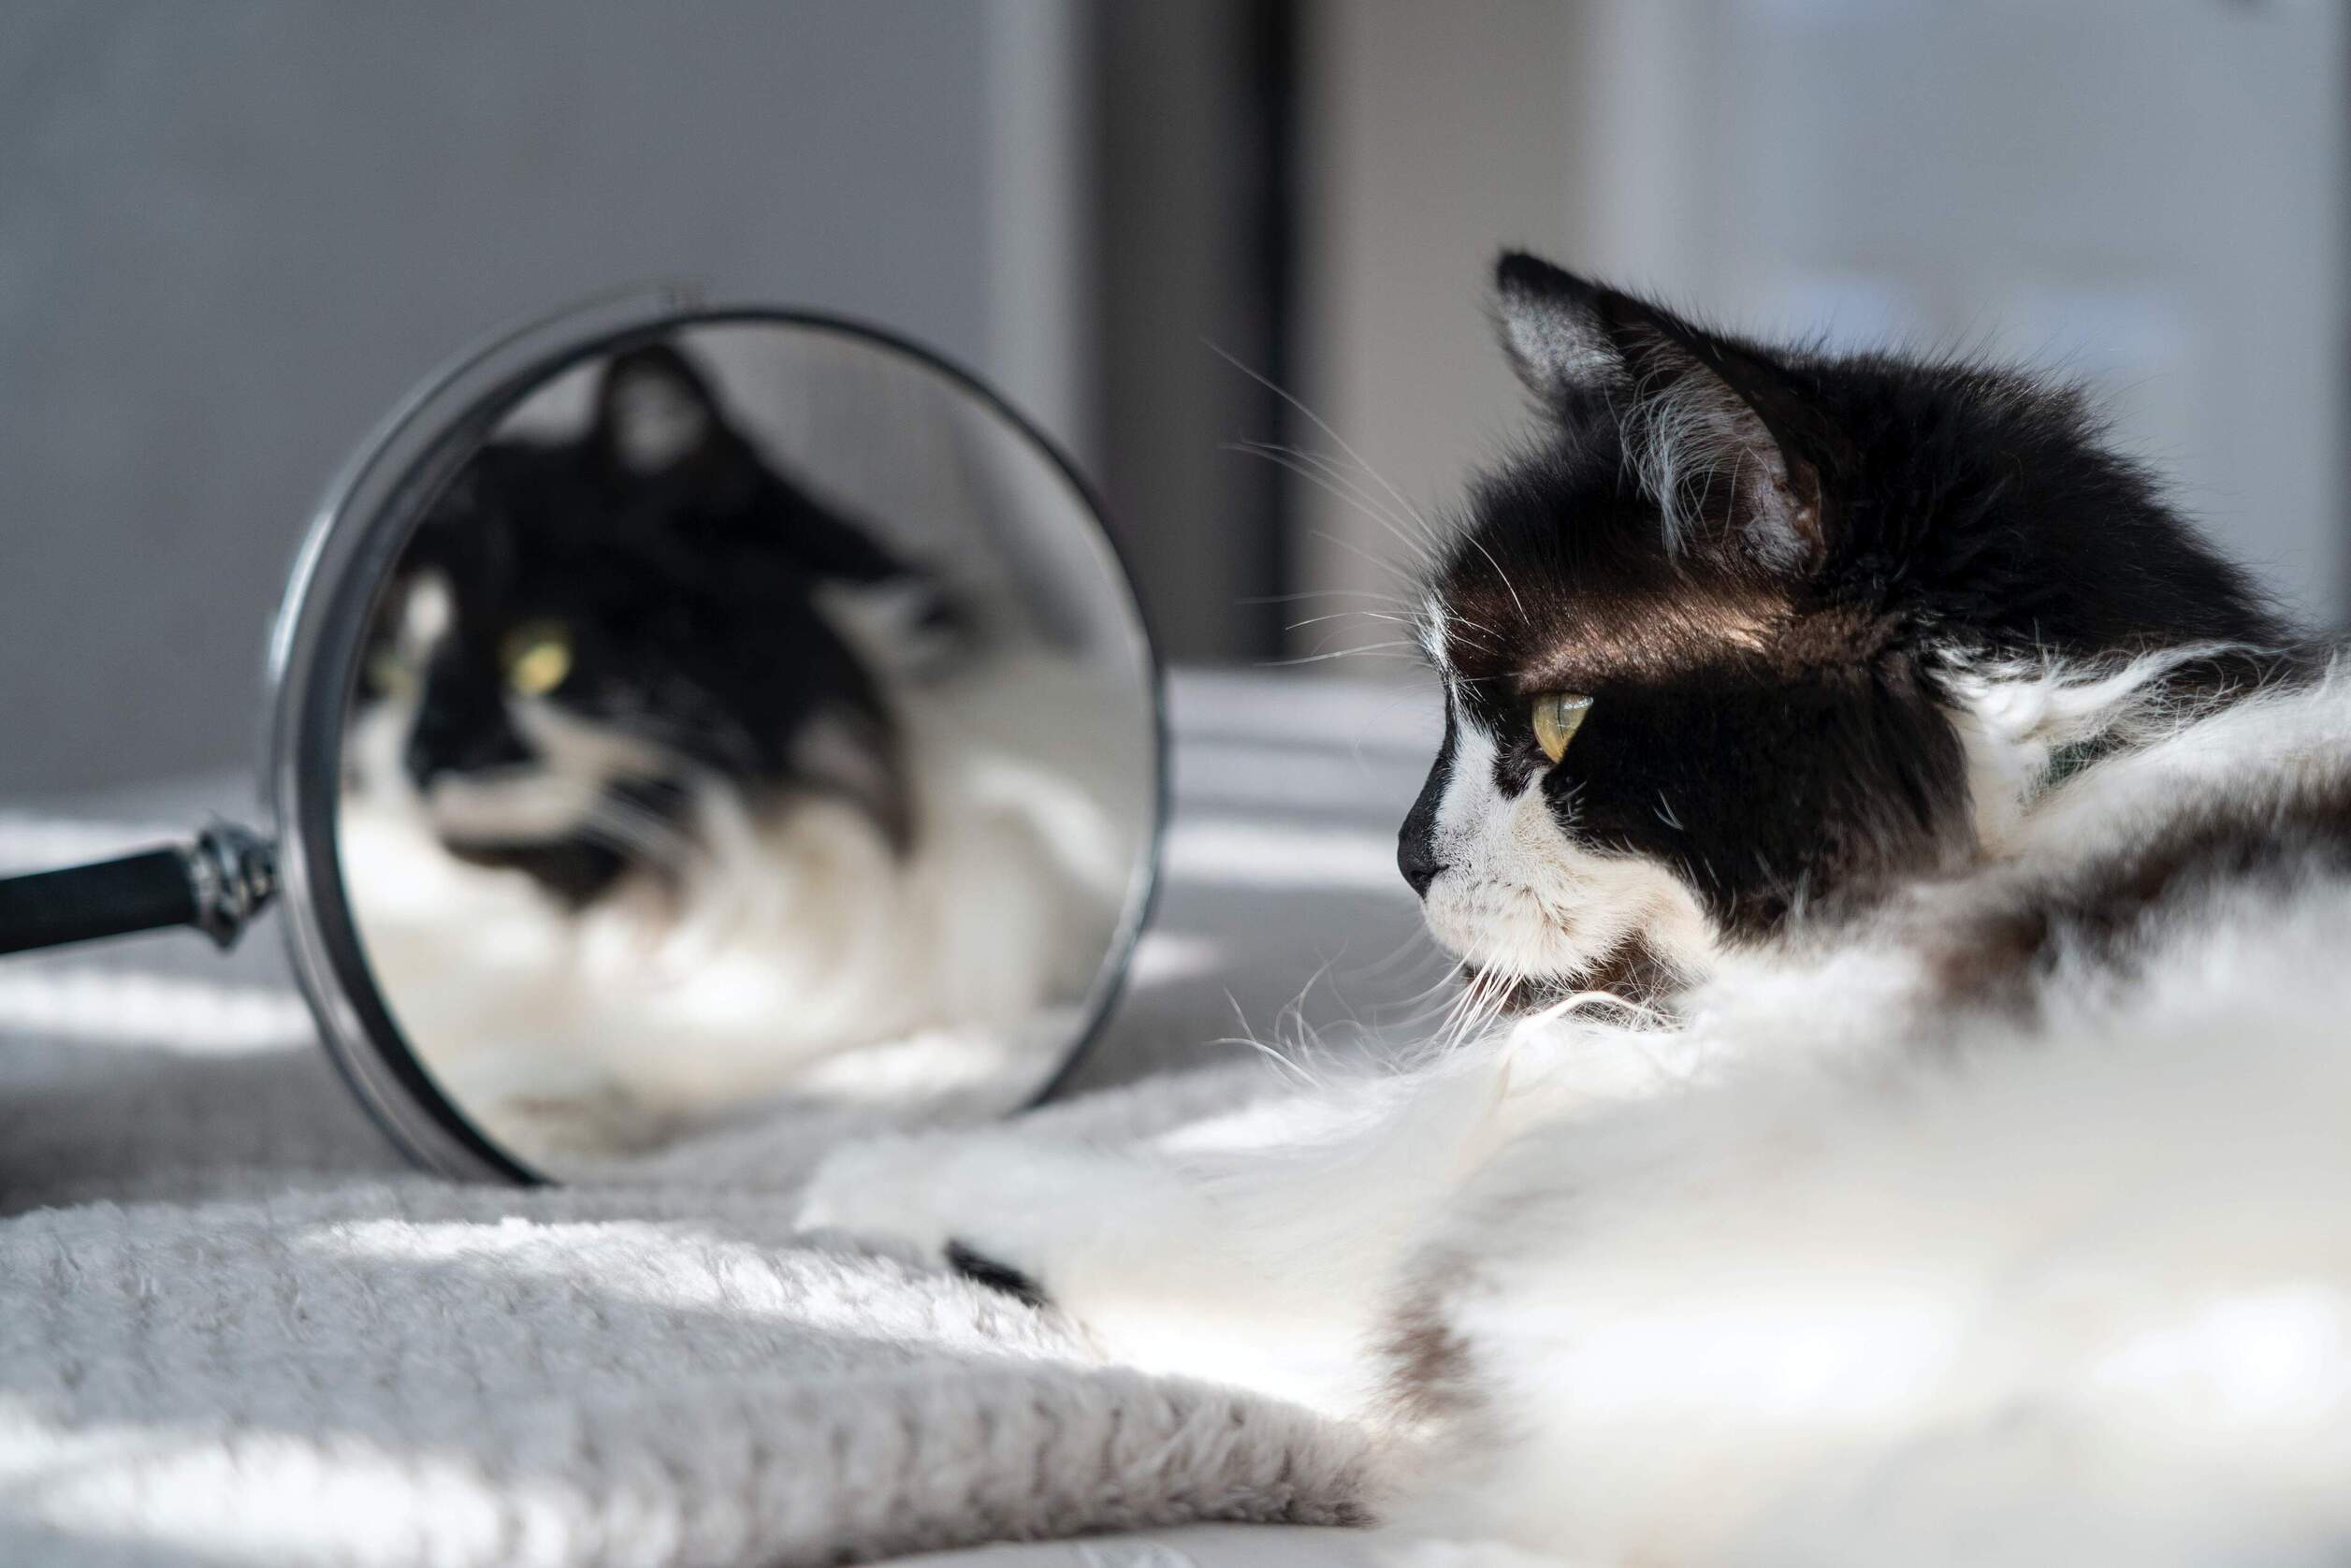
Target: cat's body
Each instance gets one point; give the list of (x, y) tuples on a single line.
[(1966, 1180)]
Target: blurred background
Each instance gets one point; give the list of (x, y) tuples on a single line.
[(232, 234)]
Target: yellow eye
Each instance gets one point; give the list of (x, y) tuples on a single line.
[(1558, 715), (537, 656), (388, 673)]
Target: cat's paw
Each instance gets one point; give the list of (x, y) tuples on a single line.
[(999, 1210), (1125, 1245), (1000, 1277)]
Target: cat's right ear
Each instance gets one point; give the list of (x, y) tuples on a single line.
[(1557, 328), (653, 410), (1721, 440)]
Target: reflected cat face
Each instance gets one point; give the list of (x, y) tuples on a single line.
[(587, 635)]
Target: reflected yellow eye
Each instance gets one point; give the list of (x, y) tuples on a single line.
[(1558, 715), (538, 656), (388, 673)]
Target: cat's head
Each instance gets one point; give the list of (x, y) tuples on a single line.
[(589, 634), (1696, 639)]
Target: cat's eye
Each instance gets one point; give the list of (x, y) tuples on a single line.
[(1558, 715), (537, 656), (388, 672)]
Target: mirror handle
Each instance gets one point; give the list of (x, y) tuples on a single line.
[(217, 883)]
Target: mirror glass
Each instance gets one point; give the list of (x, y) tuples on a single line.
[(754, 738)]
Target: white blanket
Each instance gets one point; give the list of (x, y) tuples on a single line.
[(234, 1330)]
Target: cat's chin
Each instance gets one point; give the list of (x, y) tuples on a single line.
[(1633, 973), (575, 871), (1515, 996)]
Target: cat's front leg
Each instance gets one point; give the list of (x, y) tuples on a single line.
[(1135, 1245), (1254, 1248), (1011, 1208)]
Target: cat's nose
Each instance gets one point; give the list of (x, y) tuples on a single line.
[(437, 749), (1417, 858)]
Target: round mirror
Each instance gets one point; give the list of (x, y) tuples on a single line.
[(703, 733)]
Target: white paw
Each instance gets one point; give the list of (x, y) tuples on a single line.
[(1114, 1240), (880, 1188), (973, 1199)]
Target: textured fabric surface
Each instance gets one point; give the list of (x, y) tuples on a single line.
[(235, 1329)]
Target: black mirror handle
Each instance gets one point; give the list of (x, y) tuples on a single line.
[(217, 883)]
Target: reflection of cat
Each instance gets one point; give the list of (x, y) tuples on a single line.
[(591, 631), (1923, 869), (659, 786)]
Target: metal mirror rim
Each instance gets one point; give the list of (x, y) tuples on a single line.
[(357, 533)]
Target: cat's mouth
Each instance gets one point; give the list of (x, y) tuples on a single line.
[(576, 871), (630, 824)]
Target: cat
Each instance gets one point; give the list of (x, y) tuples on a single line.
[(668, 778), (593, 627), (1907, 872)]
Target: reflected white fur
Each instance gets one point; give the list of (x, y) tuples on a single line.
[(657, 422), (426, 615), (795, 950), (1826, 1273), (554, 795)]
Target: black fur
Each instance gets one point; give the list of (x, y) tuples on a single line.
[(1767, 718), (687, 575), (1001, 1278), (2263, 847)]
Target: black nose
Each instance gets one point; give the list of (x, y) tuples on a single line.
[(456, 739), (1417, 858), (1417, 840)]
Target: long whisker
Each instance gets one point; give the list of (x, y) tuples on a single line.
[(1407, 651), (1414, 624), (1432, 1002), (631, 828), (1480, 545), (1322, 425), (1315, 466), (622, 836), (1282, 458), (1401, 574), (1396, 600), (1344, 615), (640, 818)]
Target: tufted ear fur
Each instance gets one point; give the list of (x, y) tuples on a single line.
[(1718, 435), (655, 412)]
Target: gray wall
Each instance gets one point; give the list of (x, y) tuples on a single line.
[(1192, 218), (232, 233), (2153, 197)]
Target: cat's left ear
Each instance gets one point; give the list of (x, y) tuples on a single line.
[(653, 410), (1721, 439)]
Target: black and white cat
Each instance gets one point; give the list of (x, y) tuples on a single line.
[(1916, 872), (670, 779), (592, 629)]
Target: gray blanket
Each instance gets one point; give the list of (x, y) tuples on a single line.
[(235, 1329)]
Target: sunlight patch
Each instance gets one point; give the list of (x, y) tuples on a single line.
[(195, 1018), (1271, 854)]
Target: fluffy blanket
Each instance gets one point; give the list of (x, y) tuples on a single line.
[(235, 1329)]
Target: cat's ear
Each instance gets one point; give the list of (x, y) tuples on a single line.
[(653, 410), (1718, 436)]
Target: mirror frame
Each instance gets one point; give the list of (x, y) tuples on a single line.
[(358, 532)]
